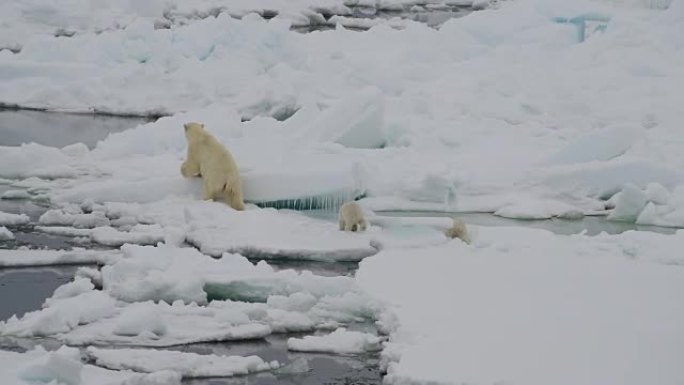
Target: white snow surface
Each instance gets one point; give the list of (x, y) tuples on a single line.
[(188, 365), (64, 367), (569, 122), (502, 111), (525, 306), (340, 341)]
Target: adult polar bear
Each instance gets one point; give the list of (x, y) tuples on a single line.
[(211, 160)]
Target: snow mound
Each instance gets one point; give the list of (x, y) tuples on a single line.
[(35, 160), (341, 341), (188, 365), (61, 315), (629, 204), (5, 234), (7, 219), (63, 366), (139, 318)]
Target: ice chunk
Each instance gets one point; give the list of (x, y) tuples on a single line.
[(356, 121), (61, 315), (60, 366), (630, 203), (64, 367), (7, 219), (15, 194), (341, 341), (600, 145), (77, 287), (34, 160), (78, 220), (139, 318), (147, 274), (138, 234), (90, 273), (171, 273), (657, 193), (5, 234), (188, 365), (28, 257)]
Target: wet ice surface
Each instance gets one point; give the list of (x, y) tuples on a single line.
[(59, 129)]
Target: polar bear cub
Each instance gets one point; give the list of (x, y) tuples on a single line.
[(458, 230), (210, 160), (352, 218)]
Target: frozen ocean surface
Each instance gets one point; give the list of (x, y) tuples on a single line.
[(553, 129)]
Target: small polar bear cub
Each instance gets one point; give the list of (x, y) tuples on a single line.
[(458, 230), (352, 218), (210, 160)]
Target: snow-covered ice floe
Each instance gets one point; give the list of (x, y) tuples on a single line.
[(188, 365), (526, 306), (214, 228), (64, 367), (8, 219), (124, 313), (417, 129), (340, 341), (38, 257)]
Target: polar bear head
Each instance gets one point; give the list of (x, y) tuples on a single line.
[(193, 131)]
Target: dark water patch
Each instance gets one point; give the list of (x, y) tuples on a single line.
[(59, 129), (20, 206), (593, 225), (29, 237), (25, 289)]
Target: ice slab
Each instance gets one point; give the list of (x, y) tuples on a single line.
[(8, 219), (64, 367), (340, 341), (188, 365), (29, 257), (514, 296), (271, 233)]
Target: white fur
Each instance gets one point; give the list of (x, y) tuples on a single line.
[(210, 160), (352, 218), (458, 230)]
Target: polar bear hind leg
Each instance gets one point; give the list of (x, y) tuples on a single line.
[(232, 195)]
